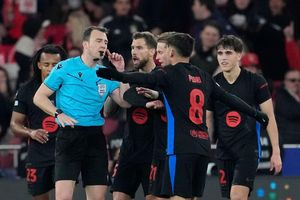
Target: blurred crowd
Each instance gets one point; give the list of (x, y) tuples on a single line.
[(269, 28)]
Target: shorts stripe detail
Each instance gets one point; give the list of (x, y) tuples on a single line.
[(171, 134), (172, 170)]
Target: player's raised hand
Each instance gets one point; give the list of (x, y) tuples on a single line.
[(117, 60), (39, 135), (262, 118), (151, 94)]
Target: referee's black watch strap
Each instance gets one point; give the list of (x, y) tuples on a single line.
[(57, 112)]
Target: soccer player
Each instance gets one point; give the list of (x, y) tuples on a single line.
[(133, 167), (40, 128), (237, 138), (186, 90), (80, 95)]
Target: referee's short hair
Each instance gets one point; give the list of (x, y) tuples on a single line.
[(87, 32)]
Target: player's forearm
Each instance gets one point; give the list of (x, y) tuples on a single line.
[(273, 133), (110, 107), (44, 103), (123, 89), (138, 78), (19, 129), (238, 104), (267, 107)]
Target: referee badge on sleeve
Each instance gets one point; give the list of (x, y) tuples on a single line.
[(101, 89)]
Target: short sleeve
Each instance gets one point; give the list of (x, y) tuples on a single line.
[(113, 85), (55, 78), (20, 104), (262, 92)]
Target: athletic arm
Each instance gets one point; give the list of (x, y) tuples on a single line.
[(117, 96), (41, 100), (110, 107), (240, 105), (133, 77), (267, 107), (17, 125)]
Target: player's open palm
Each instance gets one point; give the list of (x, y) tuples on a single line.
[(39, 135)]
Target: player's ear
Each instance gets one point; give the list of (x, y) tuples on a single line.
[(39, 64), (85, 44), (240, 55), (172, 52)]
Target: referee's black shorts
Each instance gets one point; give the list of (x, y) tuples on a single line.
[(81, 149)]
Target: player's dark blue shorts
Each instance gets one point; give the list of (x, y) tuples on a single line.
[(185, 175), (237, 172), (40, 180), (127, 178), (81, 149)]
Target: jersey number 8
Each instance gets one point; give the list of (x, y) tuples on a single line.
[(196, 108)]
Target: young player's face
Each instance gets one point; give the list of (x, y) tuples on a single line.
[(97, 43), (162, 54), (140, 53), (228, 59), (47, 62)]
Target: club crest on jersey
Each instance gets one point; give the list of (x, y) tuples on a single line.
[(101, 89)]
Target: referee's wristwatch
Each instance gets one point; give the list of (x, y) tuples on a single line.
[(57, 112)]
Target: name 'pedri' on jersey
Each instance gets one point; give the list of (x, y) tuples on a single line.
[(80, 93), (187, 91)]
